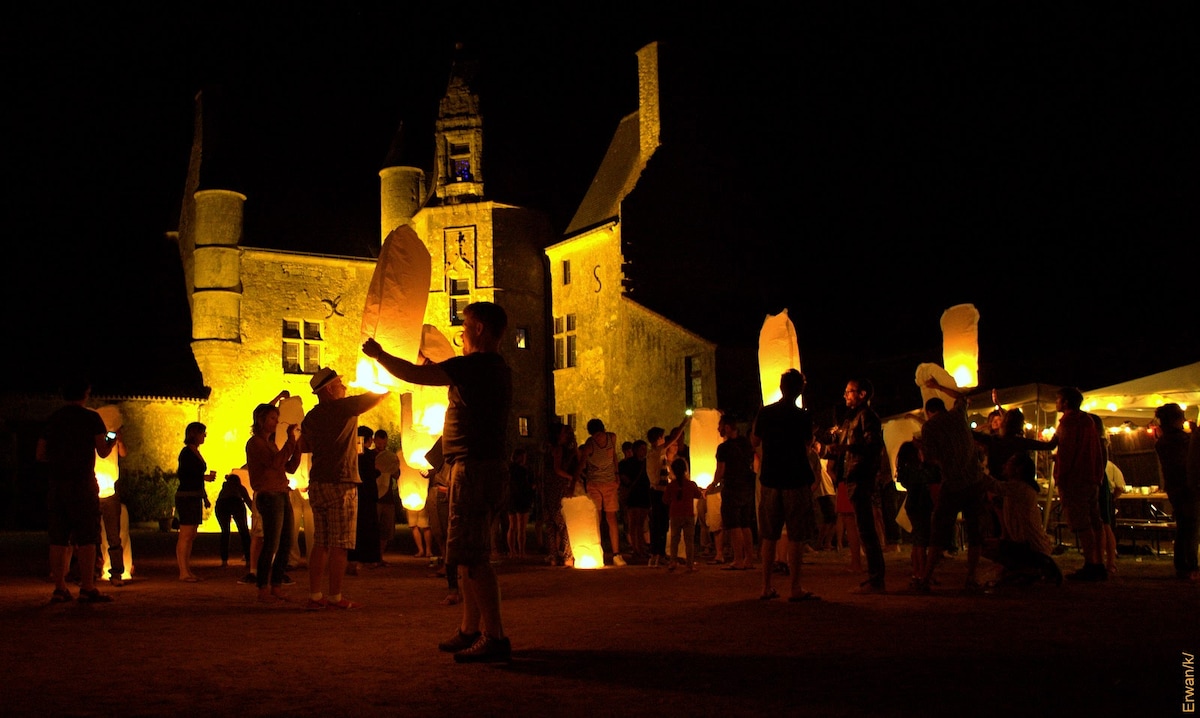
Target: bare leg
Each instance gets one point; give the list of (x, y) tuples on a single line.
[(614, 534), (337, 569), (183, 551), (60, 556), (795, 561), (318, 557), (481, 600), (768, 552), (85, 556)]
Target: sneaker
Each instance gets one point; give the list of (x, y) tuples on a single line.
[(94, 596), (318, 604), (459, 642), (286, 580), (486, 650), (248, 580), (116, 581), (618, 560), (61, 595), (345, 605)]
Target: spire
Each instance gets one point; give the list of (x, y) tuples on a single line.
[(458, 154)]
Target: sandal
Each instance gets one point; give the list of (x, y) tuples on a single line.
[(61, 595), (452, 600), (806, 596), (771, 594)]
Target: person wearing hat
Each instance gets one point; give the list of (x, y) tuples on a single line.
[(330, 434), (473, 444)]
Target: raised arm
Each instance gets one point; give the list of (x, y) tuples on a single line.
[(423, 374)]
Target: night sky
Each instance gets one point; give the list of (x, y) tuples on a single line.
[(866, 170)]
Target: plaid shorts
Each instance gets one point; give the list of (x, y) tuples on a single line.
[(335, 513)]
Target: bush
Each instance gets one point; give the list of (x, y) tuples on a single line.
[(148, 496)]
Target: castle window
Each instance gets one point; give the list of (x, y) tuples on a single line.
[(523, 425), (522, 338), (458, 306), (303, 344), (564, 342), (460, 163), (693, 387), (566, 266), (458, 287)]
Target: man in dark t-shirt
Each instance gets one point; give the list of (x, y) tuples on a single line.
[(473, 443), (783, 431), (73, 437), (735, 477)]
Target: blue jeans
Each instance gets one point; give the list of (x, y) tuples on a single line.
[(275, 511)]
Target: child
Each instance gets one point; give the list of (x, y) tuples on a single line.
[(916, 477), (680, 499)]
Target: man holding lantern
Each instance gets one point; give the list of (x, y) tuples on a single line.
[(473, 441)]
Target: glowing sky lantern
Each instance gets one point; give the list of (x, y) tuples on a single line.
[(395, 308), (928, 371), (703, 439), (107, 472), (291, 413), (423, 408), (960, 344), (413, 486), (583, 530), (778, 351)]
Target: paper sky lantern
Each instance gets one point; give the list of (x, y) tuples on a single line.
[(960, 344), (703, 439), (712, 516), (395, 308), (413, 487), (778, 351), (583, 530), (107, 468), (928, 371), (423, 408)]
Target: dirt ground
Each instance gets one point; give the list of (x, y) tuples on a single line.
[(628, 641)]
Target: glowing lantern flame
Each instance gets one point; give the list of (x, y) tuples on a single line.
[(413, 486), (960, 344), (704, 437), (583, 529), (778, 351)]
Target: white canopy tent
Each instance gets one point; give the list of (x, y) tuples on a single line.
[(1135, 400)]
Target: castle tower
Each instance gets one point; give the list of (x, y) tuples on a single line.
[(458, 153), (401, 188)]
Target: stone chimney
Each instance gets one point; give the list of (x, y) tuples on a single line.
[(648, 113)]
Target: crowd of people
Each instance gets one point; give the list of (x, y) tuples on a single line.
[(782, 487)]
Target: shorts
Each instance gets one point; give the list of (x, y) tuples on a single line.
[(335, 513), (1081, 504), (478, 494), (73, 514), (737, 515), (417, 519), (190, 510), (385, 511), (951, 501), (786, 507), (604, 495), (843, 505)]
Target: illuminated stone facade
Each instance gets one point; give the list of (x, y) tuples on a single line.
[(615, 359)]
